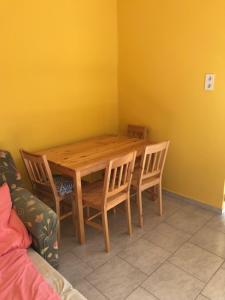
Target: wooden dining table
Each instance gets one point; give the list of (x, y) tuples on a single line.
[(88, 156)]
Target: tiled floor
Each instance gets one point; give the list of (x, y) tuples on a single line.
[(180, 256)]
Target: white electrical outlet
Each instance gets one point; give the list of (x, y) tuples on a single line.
[(209, 82)]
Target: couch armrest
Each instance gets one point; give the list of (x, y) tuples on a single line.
[(41, 221), (8, 171)]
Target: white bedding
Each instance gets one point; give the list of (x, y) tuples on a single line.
[(54, 278)]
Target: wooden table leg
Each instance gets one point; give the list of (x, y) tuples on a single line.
[(79, 205)]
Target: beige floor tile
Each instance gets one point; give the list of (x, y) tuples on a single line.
[(201, 297), (144, 255), (122, 239), (196, 261), (188, 222), (215, 289), (151, 220), (167, 237), (179, 203), (72, 267), (223, 266), (67, 244), (141, 294), (151, 207), (211, 240), (116, 279), (89, 291), (171, 283), (118, 222), (217, 223), (93, 252), (207, 213)]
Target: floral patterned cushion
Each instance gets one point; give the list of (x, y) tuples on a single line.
[(9, 172), (64, 185), (41, 221)]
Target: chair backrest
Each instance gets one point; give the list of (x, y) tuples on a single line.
[(118, 175), (153, 160), (39, 173), (135, 131)]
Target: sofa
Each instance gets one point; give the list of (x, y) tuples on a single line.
[(41, 222)]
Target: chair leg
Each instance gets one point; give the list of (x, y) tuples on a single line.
[(140, 208), (75, 220), (58, 216), (106, 230), (160, 200), (128, 210)]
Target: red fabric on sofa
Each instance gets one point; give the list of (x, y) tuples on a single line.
[(19, 279)]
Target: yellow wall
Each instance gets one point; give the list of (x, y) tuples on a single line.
[(58, 79), (165, 48), (58, 71)]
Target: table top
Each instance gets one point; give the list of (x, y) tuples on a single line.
[(92, 154)]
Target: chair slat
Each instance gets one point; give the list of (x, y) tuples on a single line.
[(120, 176), (152, 164), (31, 170), (125, 173), (148, 159), (113, 180)]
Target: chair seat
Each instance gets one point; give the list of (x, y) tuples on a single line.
[(93, 196), (146, 182), (64, 185)]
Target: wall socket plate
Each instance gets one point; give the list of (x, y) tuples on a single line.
[(209, 82)]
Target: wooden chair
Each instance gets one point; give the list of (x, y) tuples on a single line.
[(135, 131), (58, 189), (104, 196), (149, 174)]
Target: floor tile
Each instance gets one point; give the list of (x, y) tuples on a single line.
[(223, 266), (179, 203), (184, 229), (89, 291), (188, 222), (150, 221), (141, 294), (93, 252), (204, 212), (167, 237), (151, 207), (215, 289), (72, 267), (144, 255), (118, 222), (217, 223), (67, 228), (120, 237), (67, 244), (116, 279), (196, 261), (201, 297), (211, 240), (171, 283)]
